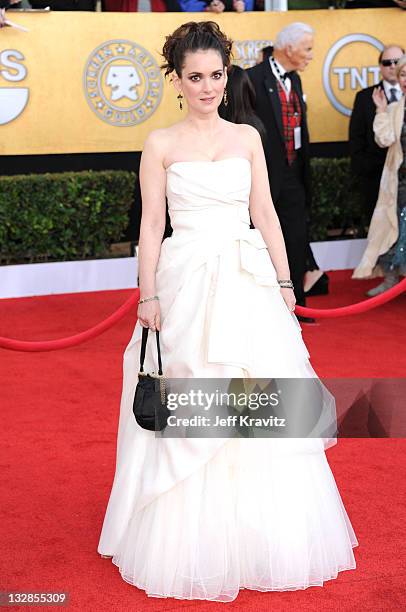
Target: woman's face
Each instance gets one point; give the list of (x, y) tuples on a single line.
[(203, 80), (402, 79)]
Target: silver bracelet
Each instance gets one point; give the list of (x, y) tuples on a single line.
[(155, 297), (285, 284)]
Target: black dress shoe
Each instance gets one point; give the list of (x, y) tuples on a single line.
[(320, 287), (303, 319)]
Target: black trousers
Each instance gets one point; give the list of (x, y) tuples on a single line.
[(291, 210)]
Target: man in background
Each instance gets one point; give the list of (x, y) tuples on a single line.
[(367, 159), (281, 107)]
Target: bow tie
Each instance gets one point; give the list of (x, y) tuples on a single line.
[(286, 75)]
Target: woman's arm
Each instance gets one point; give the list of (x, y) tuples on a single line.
[(384, 129), (153, 188), (263, 213), (262, 210)]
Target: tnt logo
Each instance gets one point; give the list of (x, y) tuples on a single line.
[(13, 100), (350, 65)]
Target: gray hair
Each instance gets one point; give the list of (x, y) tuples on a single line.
[(292, 34), (400, 65)]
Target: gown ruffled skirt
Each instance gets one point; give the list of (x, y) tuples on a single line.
[(202, 518)]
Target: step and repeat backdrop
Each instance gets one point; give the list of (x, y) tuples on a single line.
[(91, 82)]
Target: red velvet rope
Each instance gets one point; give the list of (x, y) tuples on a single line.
[(53, 345), (357, 308), (61, 343)]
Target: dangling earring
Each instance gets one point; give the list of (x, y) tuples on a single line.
[(225, 99), (180, 98)]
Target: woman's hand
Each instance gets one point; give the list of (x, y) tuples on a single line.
[(379, 98), (149, 315), (289, 297)]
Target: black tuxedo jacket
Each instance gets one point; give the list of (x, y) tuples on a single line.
[(269, 110), (367, 158)]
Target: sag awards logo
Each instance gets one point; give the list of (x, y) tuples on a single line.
[(246, 51), (122, 82), (350, 65), (13, 100)]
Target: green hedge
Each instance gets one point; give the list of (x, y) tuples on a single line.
[(337, 207), (66, 216), (78, 215)]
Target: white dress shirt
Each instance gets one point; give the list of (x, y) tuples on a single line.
[(286, 85)]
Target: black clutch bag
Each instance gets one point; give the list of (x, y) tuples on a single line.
[(149, 406)]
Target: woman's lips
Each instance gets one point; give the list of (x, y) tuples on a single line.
[(207, 100)]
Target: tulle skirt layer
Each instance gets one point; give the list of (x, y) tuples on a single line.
[(261, 514)]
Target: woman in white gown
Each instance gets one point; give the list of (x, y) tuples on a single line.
[(203, 518)]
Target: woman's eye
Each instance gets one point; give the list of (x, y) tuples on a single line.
[(196, 77)]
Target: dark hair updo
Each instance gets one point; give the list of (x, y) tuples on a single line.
[(194, 36)]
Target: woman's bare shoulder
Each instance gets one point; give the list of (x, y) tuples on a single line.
[(157, 137), (248, 132), (249, 137), (162, 135), (160, 140), (242, 131)]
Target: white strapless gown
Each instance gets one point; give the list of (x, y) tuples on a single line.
[(203, 518)]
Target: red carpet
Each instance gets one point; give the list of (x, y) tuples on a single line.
[(60, 414)]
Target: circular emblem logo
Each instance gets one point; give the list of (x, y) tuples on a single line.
[(13, 100), (122, 82), (341, 78)]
